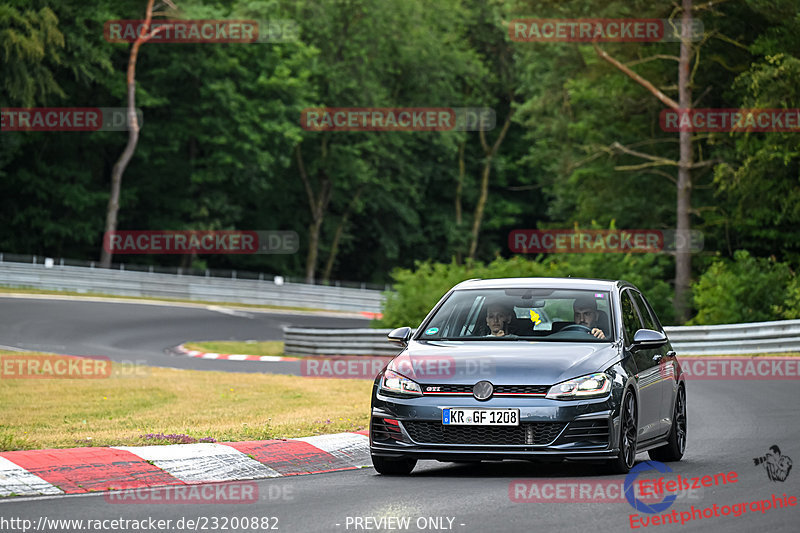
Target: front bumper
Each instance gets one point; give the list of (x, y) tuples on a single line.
[(549, 429)]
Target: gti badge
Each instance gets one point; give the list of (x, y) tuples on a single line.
[(482, 390)]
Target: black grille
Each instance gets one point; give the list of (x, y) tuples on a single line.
[(538, 433), (521, 389), (385, 431), (588, 431), (498, 389)]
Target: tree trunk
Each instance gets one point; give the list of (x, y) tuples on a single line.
[(487, 169), (133, 138), (683, 258), (459, 194), (313, 249), (326, 274), (317, 205)]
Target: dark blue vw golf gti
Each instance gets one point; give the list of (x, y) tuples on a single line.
[(535, 369)]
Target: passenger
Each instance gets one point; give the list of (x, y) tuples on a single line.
[(586, 314), (498, 318)]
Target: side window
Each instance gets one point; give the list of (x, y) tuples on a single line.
[(647, 320), (630, 319), (653, 315)]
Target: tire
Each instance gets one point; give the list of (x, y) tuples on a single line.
[(676, 443), (393, 467), (628, 430)]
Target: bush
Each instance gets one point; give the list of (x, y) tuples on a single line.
[(418, 290), (747, 289), (790, 310)]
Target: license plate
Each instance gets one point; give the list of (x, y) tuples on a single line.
[(480, 417)]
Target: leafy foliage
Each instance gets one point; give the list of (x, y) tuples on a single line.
[(418, 290), (221, 129), (747, 289)]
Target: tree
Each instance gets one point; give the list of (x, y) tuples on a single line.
[(133, 128), (683, 258), (30, 46)]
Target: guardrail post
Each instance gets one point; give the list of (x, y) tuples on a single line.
[(233, 274)]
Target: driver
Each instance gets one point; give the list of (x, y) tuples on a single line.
[(498, 318), (585, 312)]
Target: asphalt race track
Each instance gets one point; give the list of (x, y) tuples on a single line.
[(144, 333), (730, 423)]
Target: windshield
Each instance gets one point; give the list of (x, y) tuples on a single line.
[(522, 313)]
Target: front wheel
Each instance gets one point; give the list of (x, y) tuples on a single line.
[(676, 444), (623, 462), (393, 467)]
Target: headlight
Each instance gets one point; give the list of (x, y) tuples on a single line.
[(591, 386), (392, 381)]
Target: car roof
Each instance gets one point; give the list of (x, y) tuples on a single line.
[(550, 283)]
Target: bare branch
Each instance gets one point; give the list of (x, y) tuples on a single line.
[(652, 58), (663, 174), (723, 37), (642, 166), (638, 79), (708, 5), (624, 149), (702, 95)]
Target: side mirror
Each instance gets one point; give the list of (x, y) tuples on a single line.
[(647, 338), (400, 336)]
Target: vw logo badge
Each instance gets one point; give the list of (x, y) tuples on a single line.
[(482, 390)]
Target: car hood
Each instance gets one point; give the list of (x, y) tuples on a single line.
[(502, 362)]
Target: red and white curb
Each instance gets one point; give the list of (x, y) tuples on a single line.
[(81, 470), (182, 350)]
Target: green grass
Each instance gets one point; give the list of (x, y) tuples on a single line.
[(133, 401), (238, 347)]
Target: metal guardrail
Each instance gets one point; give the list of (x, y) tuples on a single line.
[(211, 289), (756, 337)]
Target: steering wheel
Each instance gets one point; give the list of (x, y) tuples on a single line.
[(577, 327)]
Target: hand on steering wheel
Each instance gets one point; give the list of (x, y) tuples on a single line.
[(577, 327)]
